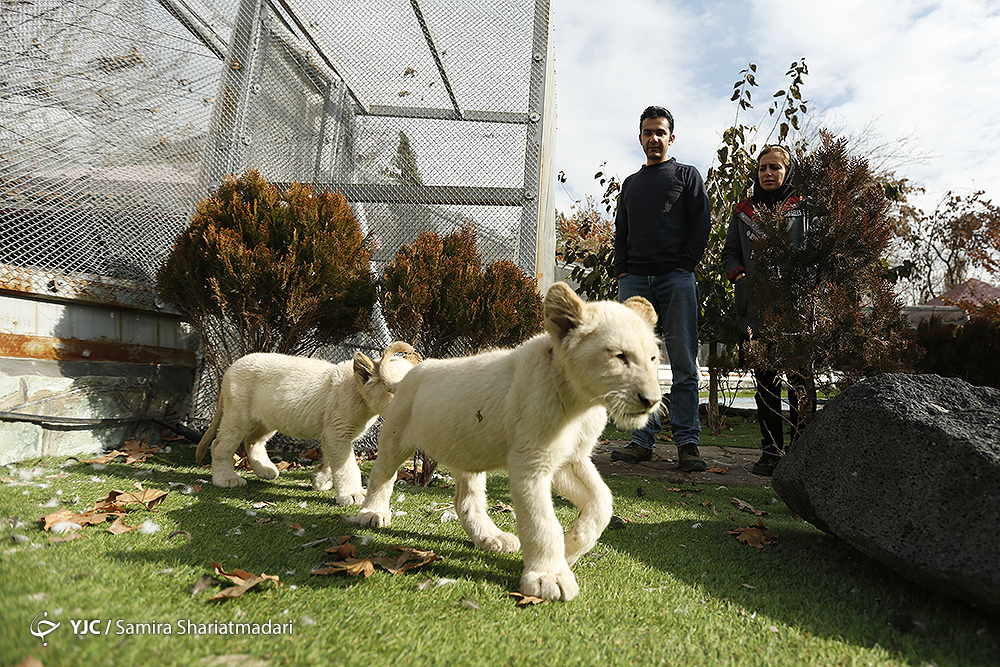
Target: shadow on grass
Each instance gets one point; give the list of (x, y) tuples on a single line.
[(814, 582), (283, 527)]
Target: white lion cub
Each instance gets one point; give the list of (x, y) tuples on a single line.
[(301, 397), (537, 410)]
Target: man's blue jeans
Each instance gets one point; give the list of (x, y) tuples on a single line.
[(675, 298)]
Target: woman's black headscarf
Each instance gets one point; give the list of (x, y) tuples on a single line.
[(784, 191)]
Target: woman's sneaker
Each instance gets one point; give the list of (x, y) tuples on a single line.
[(768, 461)]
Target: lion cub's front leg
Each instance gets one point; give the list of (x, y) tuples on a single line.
[(546, 572), (375, 511), (470, 505)]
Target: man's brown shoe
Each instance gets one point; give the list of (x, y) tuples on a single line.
[(690, 458), (632, 454)]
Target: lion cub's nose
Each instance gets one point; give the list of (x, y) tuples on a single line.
[(648, 402)]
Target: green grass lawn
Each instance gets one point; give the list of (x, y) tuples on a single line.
[(668, 587), (738, 432)]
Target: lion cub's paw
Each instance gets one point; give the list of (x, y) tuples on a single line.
[(268, 471), (504, 543), (371, 518), (229, 481), (352, 498), (559, 585), (322, 479)]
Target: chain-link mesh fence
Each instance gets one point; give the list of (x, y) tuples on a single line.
[(118, 116)]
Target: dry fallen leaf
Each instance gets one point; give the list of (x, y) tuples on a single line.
[(408, 559), (133, 451), (119, 527), (756, 535), (55, 539), (90, 517), (344, 548), (710, 506), (719, 470), (525, 600), (744, 506), (150, 498), (244, 581), (351, 566)]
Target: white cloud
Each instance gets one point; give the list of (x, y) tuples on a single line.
[(915, 68)]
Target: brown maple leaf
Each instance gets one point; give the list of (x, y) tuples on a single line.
[(344, 549), (104, 459), (134, 451), (87, 518), (242, 579), (351, 566), (119, 527), (408, 559), (756, 535), (525, 600), (55, 539), (150, 498), (744, 506)]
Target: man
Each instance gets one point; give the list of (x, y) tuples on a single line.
[(661, 231)]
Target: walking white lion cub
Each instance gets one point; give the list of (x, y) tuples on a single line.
[(264, 393), (537, 410)]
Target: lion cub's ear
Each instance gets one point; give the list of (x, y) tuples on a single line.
[(563, 310), (642, 308), (364, 368)]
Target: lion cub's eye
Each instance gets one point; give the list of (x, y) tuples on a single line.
[(623, 357)]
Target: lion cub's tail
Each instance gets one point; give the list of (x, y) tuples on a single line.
[(206, 439)]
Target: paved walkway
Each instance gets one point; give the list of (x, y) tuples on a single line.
[(727, 466)]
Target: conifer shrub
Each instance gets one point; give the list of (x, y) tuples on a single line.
[(437, 296), (259, 270), (830, 314)]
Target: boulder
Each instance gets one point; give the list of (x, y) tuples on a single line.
[(906, 469)]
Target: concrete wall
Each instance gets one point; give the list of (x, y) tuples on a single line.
[(65, 361)]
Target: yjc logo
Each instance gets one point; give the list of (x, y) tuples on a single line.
[(84, 626), (41, 627)]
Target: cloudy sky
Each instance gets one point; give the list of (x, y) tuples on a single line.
[(926, 72)]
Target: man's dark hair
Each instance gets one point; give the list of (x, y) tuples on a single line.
[(657, 112)]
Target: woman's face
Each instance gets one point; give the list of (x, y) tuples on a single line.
[(771, 171)]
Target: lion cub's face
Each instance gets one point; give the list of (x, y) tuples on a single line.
[(610, 350), (377, 380)]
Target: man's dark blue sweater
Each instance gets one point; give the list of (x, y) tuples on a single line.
[(663, 220)]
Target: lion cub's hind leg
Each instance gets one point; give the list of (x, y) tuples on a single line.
[(256, 445), (470, 505), (227, 441), (339, 468)]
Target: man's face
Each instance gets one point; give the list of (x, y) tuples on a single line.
[(655, 138)]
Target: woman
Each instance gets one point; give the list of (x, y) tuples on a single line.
[(772, 187)]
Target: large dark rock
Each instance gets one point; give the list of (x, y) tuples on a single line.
[(906, 469)]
